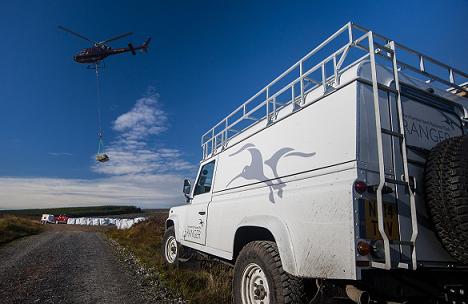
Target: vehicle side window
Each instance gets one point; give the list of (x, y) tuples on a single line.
[(205, 179)]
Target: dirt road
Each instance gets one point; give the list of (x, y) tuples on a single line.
[(64, 265)]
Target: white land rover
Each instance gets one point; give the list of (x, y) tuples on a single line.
[(345, 178)]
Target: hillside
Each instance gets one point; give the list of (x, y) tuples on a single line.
[(75, 211), (12, 228)]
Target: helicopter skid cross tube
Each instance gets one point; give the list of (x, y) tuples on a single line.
[(97, 65)]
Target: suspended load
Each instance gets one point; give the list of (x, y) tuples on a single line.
[(101, 156)]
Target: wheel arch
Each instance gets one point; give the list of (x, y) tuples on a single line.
[(266, 228), (169, 223), (172, 221)]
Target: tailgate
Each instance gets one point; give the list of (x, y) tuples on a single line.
[(428, 120)]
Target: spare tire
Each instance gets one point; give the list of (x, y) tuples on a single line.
[(446, 187)]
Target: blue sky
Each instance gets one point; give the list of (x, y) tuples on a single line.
[(205, 58)]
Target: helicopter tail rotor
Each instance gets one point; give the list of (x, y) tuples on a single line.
[(145, 46), (132, 49)]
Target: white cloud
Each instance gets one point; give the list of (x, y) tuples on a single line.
[(59, 154), (131, 152), (126, 161), (144, 119), (145, 191), (137, 173)]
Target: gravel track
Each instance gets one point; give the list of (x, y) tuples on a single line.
[(66, 266)]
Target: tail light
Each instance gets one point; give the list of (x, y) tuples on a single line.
[(360, 186), (363, 248)]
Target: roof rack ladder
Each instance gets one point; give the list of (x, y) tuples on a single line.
[(411, 194), (245, 116), (387, 264), (378, 126)]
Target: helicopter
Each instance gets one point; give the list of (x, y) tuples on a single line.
[(93, 57), (99, 51)]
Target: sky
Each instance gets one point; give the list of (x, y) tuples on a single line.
[(205, 59)]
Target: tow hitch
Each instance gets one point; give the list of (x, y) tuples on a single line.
[(455, 294)]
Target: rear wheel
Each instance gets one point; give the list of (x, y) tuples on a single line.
[(170, 247), (259, 277)]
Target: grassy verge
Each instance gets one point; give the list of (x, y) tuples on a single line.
[(211, 283), (12, 228)]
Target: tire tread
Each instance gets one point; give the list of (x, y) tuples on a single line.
[(446, 183), (292, 288)]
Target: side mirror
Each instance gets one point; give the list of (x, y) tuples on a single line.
[(187, 188)]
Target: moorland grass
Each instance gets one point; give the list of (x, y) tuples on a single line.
[(12, 227), (209, 283)]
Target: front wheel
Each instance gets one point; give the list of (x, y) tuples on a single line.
[(170, 247), (259, 277)]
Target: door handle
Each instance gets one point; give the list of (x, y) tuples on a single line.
[(411, 182), (201, 212)]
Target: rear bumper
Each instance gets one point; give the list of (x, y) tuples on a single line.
[(428, 285)]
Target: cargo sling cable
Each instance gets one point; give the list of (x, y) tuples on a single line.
[(94, 55), (101, 156)]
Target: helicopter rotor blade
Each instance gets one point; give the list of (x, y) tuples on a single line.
[(74, 33), (115, 38)]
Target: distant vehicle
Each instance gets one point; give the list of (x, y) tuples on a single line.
[(99, 51), (61, 219), (345, 178), (47, 219)]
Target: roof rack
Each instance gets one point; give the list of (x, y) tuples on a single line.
[(316, 70)]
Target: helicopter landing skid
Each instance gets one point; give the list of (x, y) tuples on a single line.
[(97, 65)]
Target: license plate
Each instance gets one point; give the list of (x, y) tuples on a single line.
[(390, 221)]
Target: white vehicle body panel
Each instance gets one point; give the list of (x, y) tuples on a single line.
[(265, 180), (311, 173), (295, 178)]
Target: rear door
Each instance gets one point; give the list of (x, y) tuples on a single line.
[(428, 120), (197, 211)]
